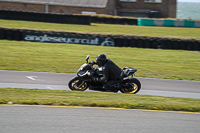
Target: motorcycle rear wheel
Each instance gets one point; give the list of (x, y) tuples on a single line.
[(134, 84), (77, 84)]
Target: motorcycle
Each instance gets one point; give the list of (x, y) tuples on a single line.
[(82, 81)]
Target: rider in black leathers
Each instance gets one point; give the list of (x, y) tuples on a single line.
[(111, 72)]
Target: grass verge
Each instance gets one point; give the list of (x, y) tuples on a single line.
[(182, 32), (100, 99), (67, 58)]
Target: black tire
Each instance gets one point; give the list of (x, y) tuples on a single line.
[(136, 86), (74, 84)]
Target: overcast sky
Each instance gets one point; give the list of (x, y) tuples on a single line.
[(188, 0)]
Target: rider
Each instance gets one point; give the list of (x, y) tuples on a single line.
[(111, 72)]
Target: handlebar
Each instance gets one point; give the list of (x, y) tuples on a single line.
[(93, 62)]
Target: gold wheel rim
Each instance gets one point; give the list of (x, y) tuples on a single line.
[(135, 88), (81, 87)]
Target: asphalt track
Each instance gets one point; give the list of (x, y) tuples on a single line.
[(44, 119), (59, 81), (40, 119)]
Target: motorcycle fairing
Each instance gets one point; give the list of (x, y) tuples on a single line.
[(84, 67), (129, 71)]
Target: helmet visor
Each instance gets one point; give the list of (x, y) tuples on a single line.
[(100, 62)]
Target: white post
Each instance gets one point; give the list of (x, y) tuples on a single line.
[(115, 12), (47, 7)]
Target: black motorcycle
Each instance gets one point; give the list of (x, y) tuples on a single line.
[(82, 81)]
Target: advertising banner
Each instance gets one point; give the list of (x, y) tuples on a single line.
[(68, 38)]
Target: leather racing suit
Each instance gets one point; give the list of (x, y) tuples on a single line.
[(111, 74)]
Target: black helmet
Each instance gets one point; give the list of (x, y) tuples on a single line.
[(101, 59)]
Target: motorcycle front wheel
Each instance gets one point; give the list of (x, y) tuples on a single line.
[(133, 84), (77, 84)]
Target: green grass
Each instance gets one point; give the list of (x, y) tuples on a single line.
[(67, 58), (107, 28), (100, 99)]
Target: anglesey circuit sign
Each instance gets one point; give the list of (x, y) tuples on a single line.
[(73, 40)]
